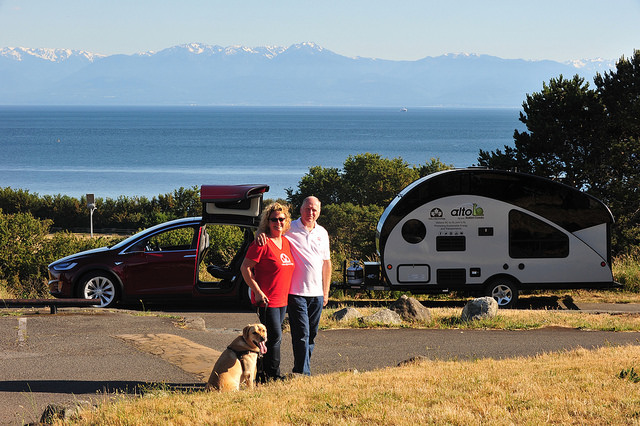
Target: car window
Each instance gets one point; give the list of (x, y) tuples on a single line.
[(226, 241), (172, 240), (225, 252)]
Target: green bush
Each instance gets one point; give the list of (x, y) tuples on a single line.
[(123, 213), (352, 229), (61, 244), (225, 241), (26, 248), (22, 240), (365, 179)]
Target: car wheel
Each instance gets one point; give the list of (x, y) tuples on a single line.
[(504, 291), (99, 285)]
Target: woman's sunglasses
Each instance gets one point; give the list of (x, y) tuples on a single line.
[(277, 219)]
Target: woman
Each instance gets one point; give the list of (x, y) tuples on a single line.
[(267, 270)]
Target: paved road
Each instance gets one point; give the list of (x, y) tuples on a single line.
[(76, 354)]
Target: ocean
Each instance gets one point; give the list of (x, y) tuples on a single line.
[(146, 151)]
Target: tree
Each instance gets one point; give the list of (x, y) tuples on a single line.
[(354, 198), (619, 91), (366, 179), (370, 179), (352, 229), (433, 166), (563, 141), (324, 183), (620, 94), (587, 138)]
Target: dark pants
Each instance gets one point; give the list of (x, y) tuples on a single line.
[(304, 317), (272, 318)]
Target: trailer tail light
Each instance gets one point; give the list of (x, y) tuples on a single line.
[(603, 264), (389, 267)]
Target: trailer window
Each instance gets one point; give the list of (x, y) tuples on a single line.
[(413, 231), (532, 238)]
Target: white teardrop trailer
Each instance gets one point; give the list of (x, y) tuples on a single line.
[(488, 232)]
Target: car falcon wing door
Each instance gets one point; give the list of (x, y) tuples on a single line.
[(232, 204)]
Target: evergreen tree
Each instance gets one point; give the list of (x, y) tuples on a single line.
[(619, 91), (587, 138), (563, 140)]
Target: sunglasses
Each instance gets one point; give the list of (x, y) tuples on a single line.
[(277, 219)]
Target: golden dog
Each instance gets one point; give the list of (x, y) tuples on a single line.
[(236, 366)]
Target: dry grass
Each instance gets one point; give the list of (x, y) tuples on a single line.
[(4, 293), (577, 387), (599, 296), (626, 269), (507, 319)]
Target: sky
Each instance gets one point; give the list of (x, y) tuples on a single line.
[(558, 30)]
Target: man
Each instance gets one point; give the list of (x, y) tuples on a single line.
[(309, 291), (310, 283)]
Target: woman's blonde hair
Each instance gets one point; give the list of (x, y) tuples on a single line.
[(266, 214)]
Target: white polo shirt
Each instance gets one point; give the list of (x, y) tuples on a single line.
[(310, 250)]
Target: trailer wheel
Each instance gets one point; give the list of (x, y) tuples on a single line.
[(504, 291)]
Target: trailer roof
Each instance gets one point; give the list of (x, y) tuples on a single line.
[(566, 206)]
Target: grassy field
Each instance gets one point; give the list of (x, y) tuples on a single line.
[(574, 387), (578, 387), (626, 269), (508, 319)]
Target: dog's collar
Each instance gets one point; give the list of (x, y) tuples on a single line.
[(240, 354)]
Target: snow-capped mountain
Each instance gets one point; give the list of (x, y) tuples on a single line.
[(208, 50), (595, 65), (52, 55), (301, 74)]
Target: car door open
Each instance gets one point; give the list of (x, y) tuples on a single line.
[(230, 217)]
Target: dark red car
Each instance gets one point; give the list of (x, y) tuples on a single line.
[(193, 257)]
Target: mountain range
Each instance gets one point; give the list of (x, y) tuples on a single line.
[(301, 74)]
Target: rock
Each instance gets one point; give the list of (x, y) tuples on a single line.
[(384, 316), (194, 323), (413, 360), (346, 314), (54, 412), (480, 308), (410, 309)]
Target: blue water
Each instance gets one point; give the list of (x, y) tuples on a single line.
[(146, 151)]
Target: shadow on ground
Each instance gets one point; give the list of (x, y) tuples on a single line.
[(75, 387)]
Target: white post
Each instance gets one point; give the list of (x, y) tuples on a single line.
[(92, 206)]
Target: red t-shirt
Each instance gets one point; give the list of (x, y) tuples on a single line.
[(272, 271)]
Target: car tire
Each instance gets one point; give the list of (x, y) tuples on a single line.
[(504, 291), (99, 285)]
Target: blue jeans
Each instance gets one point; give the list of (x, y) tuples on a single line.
[(272, 318), (304, 317)]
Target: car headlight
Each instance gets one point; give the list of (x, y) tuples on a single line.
[(64, 266)]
